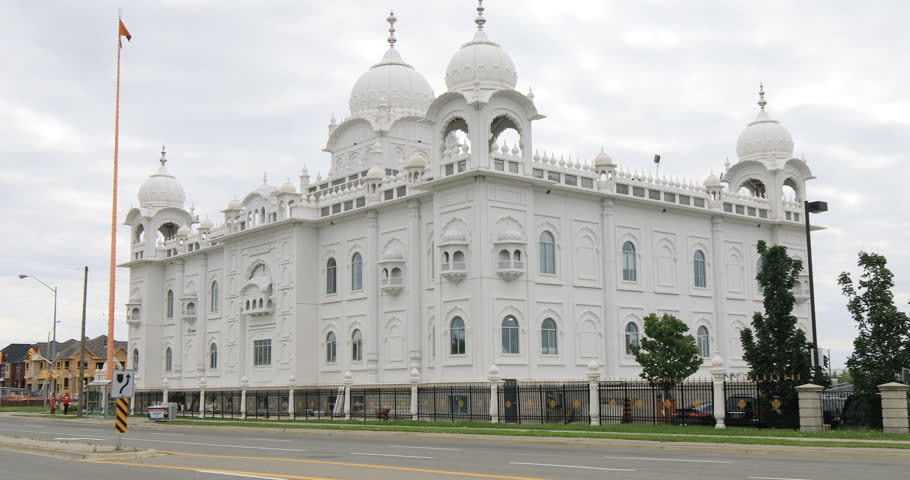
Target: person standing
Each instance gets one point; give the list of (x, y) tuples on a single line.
[(53, 404), (66, 404)]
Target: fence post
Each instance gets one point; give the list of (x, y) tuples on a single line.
[(291, 402), (718, 375), (494, 378), (594, 392), (894, 408), (243, 404), (810, 407), (415, 379), (202, 403), (348, 381)]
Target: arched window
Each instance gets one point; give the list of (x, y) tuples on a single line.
[(505, 259), (357, 346), (396, 276), (170, 304), (758, 267), (629, 266), (213, 356), (631, 337), (548, 344), (509, 335), (704, 342), (216, 297), (457, 336), (547, 248), (168, 359), (357, 272), (135, 363), (331, 276), (698, 262), (458, 260), (330, 348)]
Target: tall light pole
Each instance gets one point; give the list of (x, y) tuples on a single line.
[(82, 402), (813, 207), (53, 351)]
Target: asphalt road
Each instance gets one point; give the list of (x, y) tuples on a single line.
[(256, 453)]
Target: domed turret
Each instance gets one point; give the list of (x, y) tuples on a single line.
[(712, 181), (375, 173), (764, 138), (417, 161), (234, 205), (392, 83), (183, 231), (287, 187), (603, 160), (481, 62), (161, 189)]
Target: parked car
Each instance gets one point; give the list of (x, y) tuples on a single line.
[(703, 414)]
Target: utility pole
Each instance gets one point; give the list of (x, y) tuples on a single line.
[(82, 345)]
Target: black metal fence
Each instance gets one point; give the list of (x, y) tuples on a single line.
[(850, 410), (454, 403), (222, 404), (544, 403), (267, 404), (687, 403), (141, 401), (188, 403), (762, 404), (319, 403), (386, 402)]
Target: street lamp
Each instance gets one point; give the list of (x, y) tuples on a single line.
[(813, 207), (53, 351)]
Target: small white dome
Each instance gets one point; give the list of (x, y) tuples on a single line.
[(375, 173), (183, 231), (265, 189), (481, 61), (417, 160), (391, 83), (712, 181), (161, 190), (234, 205), (764, 138), (287, 187), (602, 159), (206, 224)]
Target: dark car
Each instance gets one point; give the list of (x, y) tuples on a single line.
[(702, 414)]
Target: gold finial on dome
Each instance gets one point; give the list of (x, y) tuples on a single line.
[(163, 158), (761, 96), (392, 19), (480, 20)]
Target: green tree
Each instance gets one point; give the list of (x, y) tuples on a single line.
[(882, 346), (666, 353), (775, 348)]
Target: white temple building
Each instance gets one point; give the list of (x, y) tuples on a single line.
[(435, 244)]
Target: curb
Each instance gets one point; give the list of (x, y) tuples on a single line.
[(72, 451)]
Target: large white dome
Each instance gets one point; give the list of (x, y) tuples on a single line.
[(161, 190), (764, 138), (391, 83), (481, 61)]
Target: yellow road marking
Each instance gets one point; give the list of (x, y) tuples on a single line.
[(362, 465), (196, 469)]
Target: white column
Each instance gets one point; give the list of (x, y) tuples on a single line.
[(178, 321), (202, 403), (414, 270), (717, 262), (291, 402), (372, 287), (348, 381), (609, 255), (495, 380), (415, 379), (594, 392), (202, 314), (811, 417), (718, 374), (243, 404), (894, 408)]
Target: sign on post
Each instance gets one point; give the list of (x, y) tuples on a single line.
[(123, 408), (122, 384)]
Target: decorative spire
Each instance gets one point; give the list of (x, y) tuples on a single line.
[(391, 19), (163, 159), (480, 20), (265, 177), (761, 95)]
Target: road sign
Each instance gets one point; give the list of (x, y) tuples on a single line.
[(123, 408), (122, 384)]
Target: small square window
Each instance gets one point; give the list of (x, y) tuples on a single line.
[(699, 202), (336, 208), (538, 173), (388, 194), (462, 165), (553, 176), (323, 212), (513, 167), (571, 180), (622, 188), (361, 201), (450, 169), (499, 165), (348, 204), (654, 194), (638, 192), (401, 191), (587, 182)]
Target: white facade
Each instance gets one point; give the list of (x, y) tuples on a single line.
[(430, 229)]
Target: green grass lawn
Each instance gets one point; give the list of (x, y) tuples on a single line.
[(7, 408)]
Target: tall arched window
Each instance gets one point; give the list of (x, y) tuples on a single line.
[(330, 348), (357, 346), (170, 304), (698, 262), (547, 248), (331, 276), (213, 356), (509, 335), (457, 336), (704, 342), (631, 337), (215, 294), (135, 363), (629, 266), (548, 344), (357, 272), (168, 359)]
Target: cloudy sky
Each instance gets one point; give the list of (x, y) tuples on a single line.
[(237, 89)]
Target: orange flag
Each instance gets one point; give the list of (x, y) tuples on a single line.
[(124, 32)]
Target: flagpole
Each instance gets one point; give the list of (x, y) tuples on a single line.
[(113, 263)]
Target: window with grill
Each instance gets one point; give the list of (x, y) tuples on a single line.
[(457, 336), (704, 342), (698, 263), (330, 348), (509, 335), (547, 248), (548, 337), (213, 356), (331, 276), (629, 267), (357, 346), (631, 337), (262, 352), (357, 272)]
